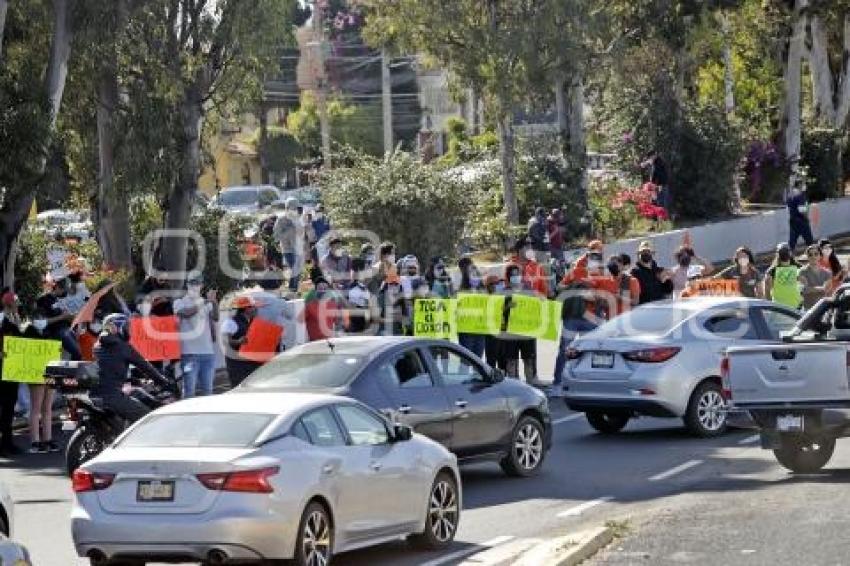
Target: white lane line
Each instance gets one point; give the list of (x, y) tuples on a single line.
[(750, 440), (579, 509), (677, 470), (568, 418), (469, 551)]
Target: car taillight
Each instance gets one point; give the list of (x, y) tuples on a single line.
[(573, 354), (724, 378), (72, 410), (248, 481), (651, 355), (84, 480)]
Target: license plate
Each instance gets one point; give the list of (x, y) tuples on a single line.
[(69, 425), (155, 491), (603, 360), (789, 423)]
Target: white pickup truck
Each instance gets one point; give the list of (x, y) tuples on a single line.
[(798, 392)]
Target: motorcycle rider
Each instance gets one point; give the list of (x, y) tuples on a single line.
[(113, 354)]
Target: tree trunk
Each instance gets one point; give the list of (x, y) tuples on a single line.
[(792, 90), (578, 147), (4, 6), (14, 215), (264, 137), (475, 111), (831, 104), (728, 71), (562, 116), (507, 157), (181, 197), (111, 210)]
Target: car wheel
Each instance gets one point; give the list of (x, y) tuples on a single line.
[(805, 456), (706, 416), (607, 423), (527, 449), (442, 517), (314, 546)]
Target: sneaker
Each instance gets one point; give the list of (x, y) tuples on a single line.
[(53, 447), (38, 448)]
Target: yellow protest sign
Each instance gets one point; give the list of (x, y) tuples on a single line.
[(25, 359), (534, 317), (434, 318), (479, 313)]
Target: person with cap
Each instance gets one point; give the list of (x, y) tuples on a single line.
[(655, 282), (289, 234), (780, 283), (538, 235), (336, 265), (234, 332), (596, 249), (197, 315), (10, 326)]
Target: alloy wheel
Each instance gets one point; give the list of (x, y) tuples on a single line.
[(711, 410), (317, 539), (528, 446), (443, 511)]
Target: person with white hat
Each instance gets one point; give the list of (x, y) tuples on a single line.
[(655, 282)]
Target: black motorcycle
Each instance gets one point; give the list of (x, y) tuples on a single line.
[(95, 426)]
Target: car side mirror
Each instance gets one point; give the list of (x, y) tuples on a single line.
[(402, 433), (496, 375)]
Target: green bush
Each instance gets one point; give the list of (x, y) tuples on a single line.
[(821, 156), (418, 206), (551, 183), (208, 224)]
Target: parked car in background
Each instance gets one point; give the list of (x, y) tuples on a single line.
[(68, 224), (663, 360), (247, 200), (439, 388), (307, 197), (261, 477)]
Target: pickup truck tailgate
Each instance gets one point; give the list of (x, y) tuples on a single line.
[(787, 375)]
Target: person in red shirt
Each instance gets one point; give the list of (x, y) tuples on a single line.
[(534, 276), (555, 227), (617, 292)]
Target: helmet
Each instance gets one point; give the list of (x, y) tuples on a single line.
[(118, 324)]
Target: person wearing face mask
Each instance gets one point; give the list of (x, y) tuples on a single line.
[(579, 270), (815, 280), (655, 283), (798, 219), (743, 270), (439, 280), (518, 347), (538, 235), (77, 294), (58, 318), (384, 266), (393, 308), (234, 331), (336, 265), (155, 292), (322, 309), (321, 224), (780, 284), (359, 298), (471, 282), (688, 266), (41, 397), (197, 315), (10, 325), (533, 273)]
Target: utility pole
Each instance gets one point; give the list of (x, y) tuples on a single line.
[(322, 83), (387, 98)]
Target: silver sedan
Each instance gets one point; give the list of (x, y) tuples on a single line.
[(263, 476), (663, 360)]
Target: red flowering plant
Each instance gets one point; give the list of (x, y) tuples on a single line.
[(643, 200)]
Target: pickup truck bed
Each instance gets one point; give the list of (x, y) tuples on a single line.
[(802, 376)]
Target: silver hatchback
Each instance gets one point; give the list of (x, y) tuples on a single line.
[(663, 360), (263, 476)]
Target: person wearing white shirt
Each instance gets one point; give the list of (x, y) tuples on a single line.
[(197, 343)]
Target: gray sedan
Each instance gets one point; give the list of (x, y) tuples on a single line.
[(262, 477)]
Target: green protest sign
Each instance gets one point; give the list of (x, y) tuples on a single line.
[(479, 314), (25, 359), (534, 317), (434, 318)]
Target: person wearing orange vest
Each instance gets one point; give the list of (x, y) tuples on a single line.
[(533, 274)]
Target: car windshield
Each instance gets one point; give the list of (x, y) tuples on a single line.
[(238, 198), (305, 371), (643, 321), (190, 430)]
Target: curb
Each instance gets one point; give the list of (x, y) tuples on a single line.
[(569, 550)]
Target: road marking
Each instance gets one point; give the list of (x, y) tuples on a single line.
[(579, 509), (750, 439), (469, 551), (505, 553), (677, 470), (568, 418)]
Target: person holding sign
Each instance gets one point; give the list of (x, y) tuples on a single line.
[(519, 347), (41, 397), (781, 285), (9, 327), (471, 282), (234, 332), (196, 315)]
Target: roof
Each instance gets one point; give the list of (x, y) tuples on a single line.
[(361, 345), (267, 402), (706, 302)]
